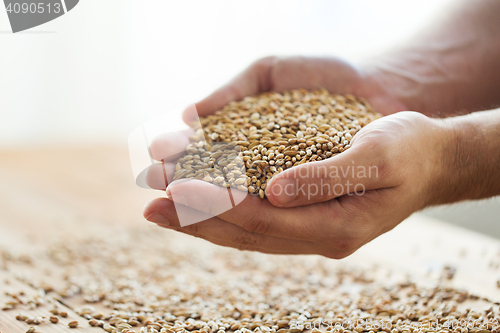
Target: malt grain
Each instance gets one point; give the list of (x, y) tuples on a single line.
[(248, 142)]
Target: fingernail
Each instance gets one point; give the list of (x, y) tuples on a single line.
[(284, 190), (158, 218), (168, 193)]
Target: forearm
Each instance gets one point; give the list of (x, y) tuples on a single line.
[(471, 157), (453, 67)]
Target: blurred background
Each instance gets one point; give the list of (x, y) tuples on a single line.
[(96, 73)]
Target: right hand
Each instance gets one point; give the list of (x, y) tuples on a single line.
[(403, 168)]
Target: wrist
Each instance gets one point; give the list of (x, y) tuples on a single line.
[(460, 160)]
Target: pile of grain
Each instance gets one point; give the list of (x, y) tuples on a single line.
[(248, 142)]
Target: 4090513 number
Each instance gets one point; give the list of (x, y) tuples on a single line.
[(33, 8)]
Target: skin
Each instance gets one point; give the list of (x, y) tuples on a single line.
[(452, 68)]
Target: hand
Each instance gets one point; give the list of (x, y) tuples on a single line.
[(275, 74), (280, 74), (403, 152)]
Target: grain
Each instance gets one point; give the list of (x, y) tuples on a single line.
[(31, 329), (34, 320), (73, 324), (248, 142), (108, 328), (21, 317), (54, 320), (93, 322), (139, 281)]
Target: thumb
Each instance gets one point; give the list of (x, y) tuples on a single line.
[(351, 172)]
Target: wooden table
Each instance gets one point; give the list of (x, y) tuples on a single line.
[(75, 191)]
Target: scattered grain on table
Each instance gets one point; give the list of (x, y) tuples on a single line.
[(137, 280)]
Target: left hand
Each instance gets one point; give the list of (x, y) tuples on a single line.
[(395, 164)]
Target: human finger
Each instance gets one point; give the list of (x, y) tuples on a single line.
[(224, 233), (252, 213)]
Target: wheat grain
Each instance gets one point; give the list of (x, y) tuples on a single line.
[(248, 142)]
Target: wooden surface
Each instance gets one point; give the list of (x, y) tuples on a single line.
[(81, 191)]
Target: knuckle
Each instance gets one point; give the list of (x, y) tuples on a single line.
[(326, 173), (377, 146), (247, 241), (190, 229), (256, 224), (265, 62), (318, 182), (340, 248), (263, 68), (157, 147)]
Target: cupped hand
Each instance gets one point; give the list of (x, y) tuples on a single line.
[(331, 207), (274, 74)]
